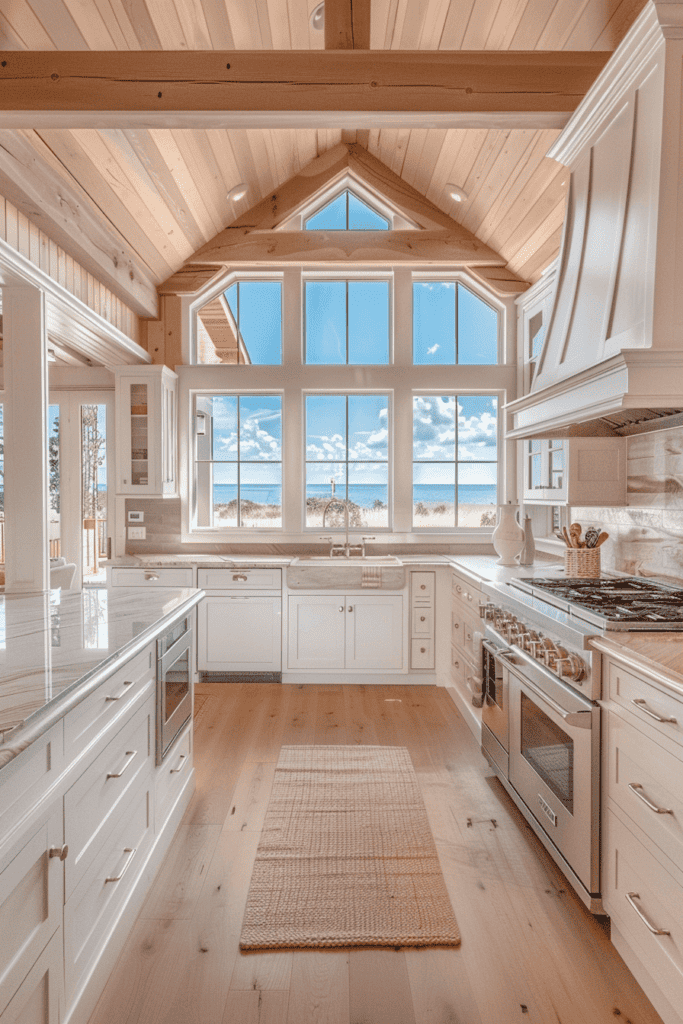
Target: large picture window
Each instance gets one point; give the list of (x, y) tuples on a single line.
[(347, 322), (347, 457), (452, 325), (238, 461), (455, 457)]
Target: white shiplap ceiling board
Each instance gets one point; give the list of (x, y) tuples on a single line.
[(162, 192)]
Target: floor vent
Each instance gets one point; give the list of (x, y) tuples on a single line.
[(240, 677)]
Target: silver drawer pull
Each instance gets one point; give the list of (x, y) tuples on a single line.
[(640, 703), (630, 897), (130, 754), (181, 764), (240, 577), (132, 850), (58, 851), (636, 788), (126, 682), (151, 576)]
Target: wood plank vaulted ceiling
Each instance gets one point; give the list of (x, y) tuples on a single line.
[(163, 191)]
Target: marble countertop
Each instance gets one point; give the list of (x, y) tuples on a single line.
[(56, 648), (655, 656)]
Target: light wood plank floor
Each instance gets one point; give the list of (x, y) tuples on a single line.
[(530, 952)]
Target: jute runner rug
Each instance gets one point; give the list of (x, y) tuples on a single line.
[(346, 856)]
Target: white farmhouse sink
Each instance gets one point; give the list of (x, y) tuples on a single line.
[(341, 561)]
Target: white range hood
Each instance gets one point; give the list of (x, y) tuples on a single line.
[(612, 360)]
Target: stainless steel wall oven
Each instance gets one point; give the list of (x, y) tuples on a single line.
[(174, 684)]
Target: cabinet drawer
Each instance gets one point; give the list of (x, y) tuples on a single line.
[(31, 900), (93, 799), (109, 703), (464, 591), (141, 577), (422, 654), (239, 579), (92, 907), (636, 760), (37, 999), (171, 776), (423, 622), (629, 869), (27, 776), (640, 697), (422, 588)]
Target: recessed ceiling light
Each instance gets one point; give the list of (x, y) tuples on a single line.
[(318, 17), (237, 192), (455, 192)]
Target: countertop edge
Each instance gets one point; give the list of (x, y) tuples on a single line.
[(666, 677), (14, 741)]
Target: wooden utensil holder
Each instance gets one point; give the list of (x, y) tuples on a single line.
[(582, 562)]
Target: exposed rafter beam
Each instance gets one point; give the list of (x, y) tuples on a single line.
[(347, 24), (376, 248), (64, 212), (265, 88)]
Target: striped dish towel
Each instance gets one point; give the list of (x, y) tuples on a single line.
[(371, 576)]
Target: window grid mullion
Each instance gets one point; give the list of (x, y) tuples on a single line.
[(239, 457)]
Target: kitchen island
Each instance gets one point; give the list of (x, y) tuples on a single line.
[(86, 814)]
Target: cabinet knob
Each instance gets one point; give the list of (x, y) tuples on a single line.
[(59, 851), (456, 625), (423, 586), (422, 618), (458, 590), (341, 607), (151, 575), (350, 607), (456, 664), (423, 650), (240, 577)]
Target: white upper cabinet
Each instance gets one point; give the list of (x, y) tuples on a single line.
[(576, 471), (146, 426)]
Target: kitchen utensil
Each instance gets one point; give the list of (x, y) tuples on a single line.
[(602, 538), (575, 534), (560, 536), (567, 538), (592, 535)]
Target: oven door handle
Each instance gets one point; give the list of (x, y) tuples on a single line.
[(578, 719), (497, 652)]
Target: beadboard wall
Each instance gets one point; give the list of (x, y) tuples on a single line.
[(646, 536)]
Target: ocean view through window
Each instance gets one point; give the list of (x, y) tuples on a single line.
[(455, 460)]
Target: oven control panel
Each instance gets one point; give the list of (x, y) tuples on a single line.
[(569, 666)]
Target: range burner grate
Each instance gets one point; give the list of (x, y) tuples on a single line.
[(622, 599)]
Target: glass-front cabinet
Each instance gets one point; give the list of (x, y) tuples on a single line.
[(575, 471), (146, 419)]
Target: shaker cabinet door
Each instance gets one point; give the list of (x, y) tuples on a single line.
[(239, 634), (374, 632), (316, 631)]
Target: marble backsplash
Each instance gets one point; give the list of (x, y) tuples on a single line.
[(646, 536)]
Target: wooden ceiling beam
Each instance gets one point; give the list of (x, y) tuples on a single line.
[(347, 24), (64, 212), (377, 248), (266, 88)]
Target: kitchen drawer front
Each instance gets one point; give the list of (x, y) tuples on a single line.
[(27, 776), (626, 688), (635, 759), (93, 799), (96, 900), (457, 628), (31, 901), (422, 654), (170, 777), (239, 579), (109, 703), (463, 591), (422, 588), (630, 868), (37, 999), (423, 622), (135, 577)]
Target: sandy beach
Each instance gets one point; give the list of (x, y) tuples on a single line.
[(269, 517)]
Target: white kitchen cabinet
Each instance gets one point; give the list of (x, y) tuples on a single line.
[(146, 431), (31, 900), (422, 593), (37, 999), (239, 633), (341, 631), (642, 838), (575, 471)]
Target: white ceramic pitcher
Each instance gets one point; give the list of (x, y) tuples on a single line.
[(508, 536)]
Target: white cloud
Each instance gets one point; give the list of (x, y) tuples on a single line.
[(433, 349)]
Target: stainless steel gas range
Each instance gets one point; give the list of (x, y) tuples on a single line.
[(540, 717)]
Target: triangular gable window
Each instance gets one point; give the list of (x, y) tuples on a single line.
[(346, 212)]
